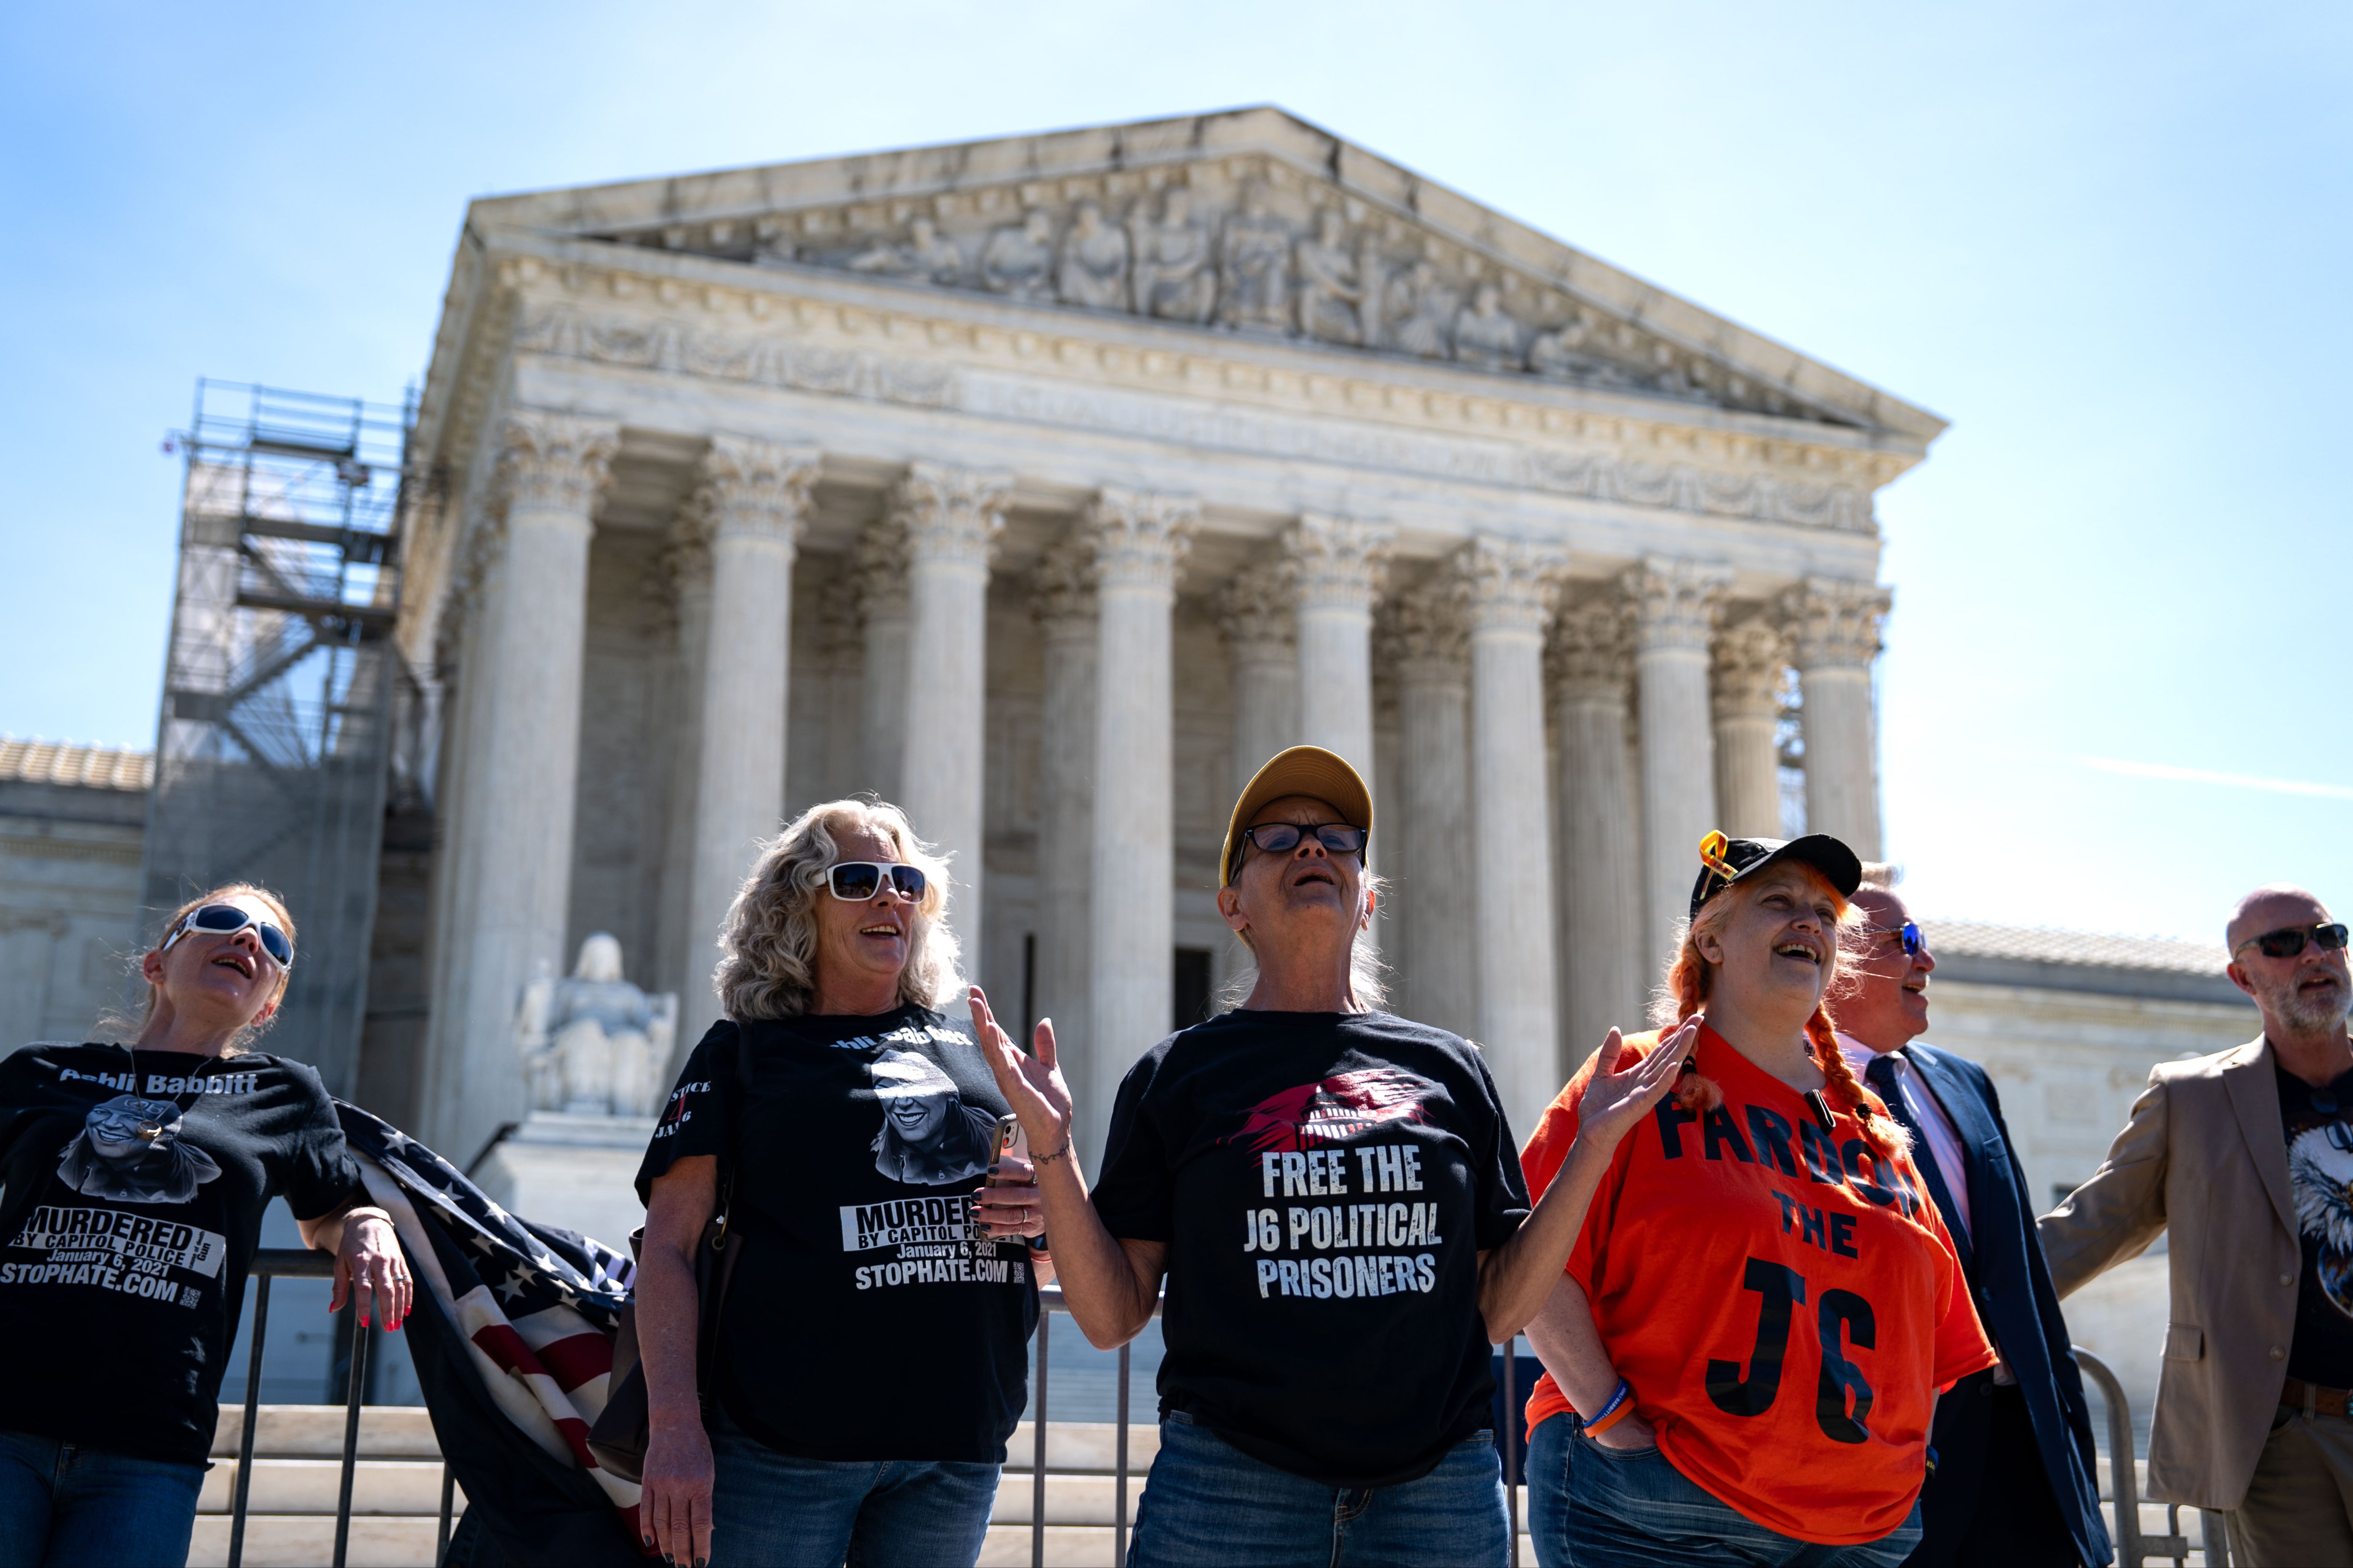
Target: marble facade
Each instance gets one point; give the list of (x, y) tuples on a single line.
[(1048, 485)]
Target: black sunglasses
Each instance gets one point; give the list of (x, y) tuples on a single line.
[(2288, 943), (1281, 837), (858, 880), (226, 920), (1907, 934)]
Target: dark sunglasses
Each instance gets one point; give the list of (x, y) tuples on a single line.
[(227, 919), (858, 880), (1282, 837), (1907, 934), (2289, 942)]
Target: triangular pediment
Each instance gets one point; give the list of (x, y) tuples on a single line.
[(1249, 222)]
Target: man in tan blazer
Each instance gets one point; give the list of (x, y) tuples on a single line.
[(2247, 1156)]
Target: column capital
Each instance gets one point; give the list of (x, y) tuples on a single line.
[(1258, 612), (878, 568), (1592, 648), (1337, 563), (1835, 623), (1507, 583), (1062, 590), (951, 514), (555, 462), (1676, 603), (754, 489), (1750, 659), (1424, 632), (1140, 538)]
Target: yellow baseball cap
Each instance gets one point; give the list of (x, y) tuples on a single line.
[(1302, 770)]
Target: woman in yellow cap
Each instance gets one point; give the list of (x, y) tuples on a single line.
[(1332, 1196)]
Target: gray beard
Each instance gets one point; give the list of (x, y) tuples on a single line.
[(2314, 1015)]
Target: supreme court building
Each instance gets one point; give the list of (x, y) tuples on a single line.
[(1045, 487)]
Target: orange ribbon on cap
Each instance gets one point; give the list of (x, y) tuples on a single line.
[(1711, 855)]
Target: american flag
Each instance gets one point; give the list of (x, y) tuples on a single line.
[(535, 1310)]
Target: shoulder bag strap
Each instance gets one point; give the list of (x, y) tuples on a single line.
[(717, 1258)]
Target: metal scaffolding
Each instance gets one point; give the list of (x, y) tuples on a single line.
[(278, 697)]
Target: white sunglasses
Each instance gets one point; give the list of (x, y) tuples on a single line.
[(858, 880)]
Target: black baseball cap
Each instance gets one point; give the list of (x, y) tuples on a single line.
[(1724, 861)]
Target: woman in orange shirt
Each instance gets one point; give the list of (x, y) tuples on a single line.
[(1745, 1352)]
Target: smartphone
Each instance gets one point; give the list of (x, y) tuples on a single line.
[(1011, 1139)]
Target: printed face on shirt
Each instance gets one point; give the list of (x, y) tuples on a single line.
[(129, 1149), (2320, 1172), (928, 1135)]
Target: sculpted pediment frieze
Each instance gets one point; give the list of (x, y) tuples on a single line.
[(1242, 245)]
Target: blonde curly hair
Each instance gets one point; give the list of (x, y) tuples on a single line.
[(768, 964)]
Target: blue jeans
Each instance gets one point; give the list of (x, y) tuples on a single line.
[(1591, 1507), (63, 1505), (1207, 1502), (772, 1510)]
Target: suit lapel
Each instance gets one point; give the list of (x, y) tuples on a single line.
[(2254, 1095), (1977, 1135)]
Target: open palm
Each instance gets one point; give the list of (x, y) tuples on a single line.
[(1619, 1097), (1032, 1085)]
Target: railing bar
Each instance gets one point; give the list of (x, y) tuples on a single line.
[(449, 1501), (1038, 1452), (245, 1439), (358, 1386), (2124, 1476), (1511, 1440), (1119, 1507)]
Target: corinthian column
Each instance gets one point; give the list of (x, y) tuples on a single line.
[(1749, 659), (753, 504), (952, 517), (1676, 607), (683, 954), (1836, 624), (1592, 670), (1424, 639), (1064, 604), (878, 570), (1140, 542), (1337, 566), (1259, 615), (513, 847), (1508, 586)]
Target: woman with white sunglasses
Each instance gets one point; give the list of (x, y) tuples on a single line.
[(132, 1183), (872, 1356)]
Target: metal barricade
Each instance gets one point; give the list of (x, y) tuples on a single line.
[(1050, 1301), (294, 1263), (2133, 1549)]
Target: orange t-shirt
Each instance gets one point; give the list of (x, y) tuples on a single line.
[(1782, 1313)]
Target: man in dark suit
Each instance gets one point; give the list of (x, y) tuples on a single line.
[(2014, 1482)]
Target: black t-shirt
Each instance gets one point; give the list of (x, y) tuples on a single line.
[(131, 1190), (2319, 1126), (1325, 1182), (869, 1318)]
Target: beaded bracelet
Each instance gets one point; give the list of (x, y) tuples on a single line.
[(1620, 1406)]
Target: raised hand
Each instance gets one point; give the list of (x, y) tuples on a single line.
[(1616, 1100), (1032, 1085)]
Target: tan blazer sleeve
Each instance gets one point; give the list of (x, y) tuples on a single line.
[(2116, 1214)]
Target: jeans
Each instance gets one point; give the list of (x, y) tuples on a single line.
[(63, 1505), (1591, 1507), (771, 1510), (1207, 1502)]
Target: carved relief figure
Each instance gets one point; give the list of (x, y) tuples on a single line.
[(1554, 354), (592, 1043), (1173, 277), (1254, 265), (1483, 335), (1419, 310), (1332, 286), (927, 255), (1093, 268), (1019, 258)]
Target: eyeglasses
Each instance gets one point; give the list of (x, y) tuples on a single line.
[(1907, 934), (1282, 837), (858, 880), (227, 919), (2290, 941)]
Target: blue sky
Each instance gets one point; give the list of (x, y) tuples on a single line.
[(2108, 242)]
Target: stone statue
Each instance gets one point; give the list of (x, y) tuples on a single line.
[(927, 255), (1483, 334), (1333, 286), (1254, 265), (1416, 312), (592, 1043), (1019, 258), (1173, 277), (1093, 268), (1555, 353)]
